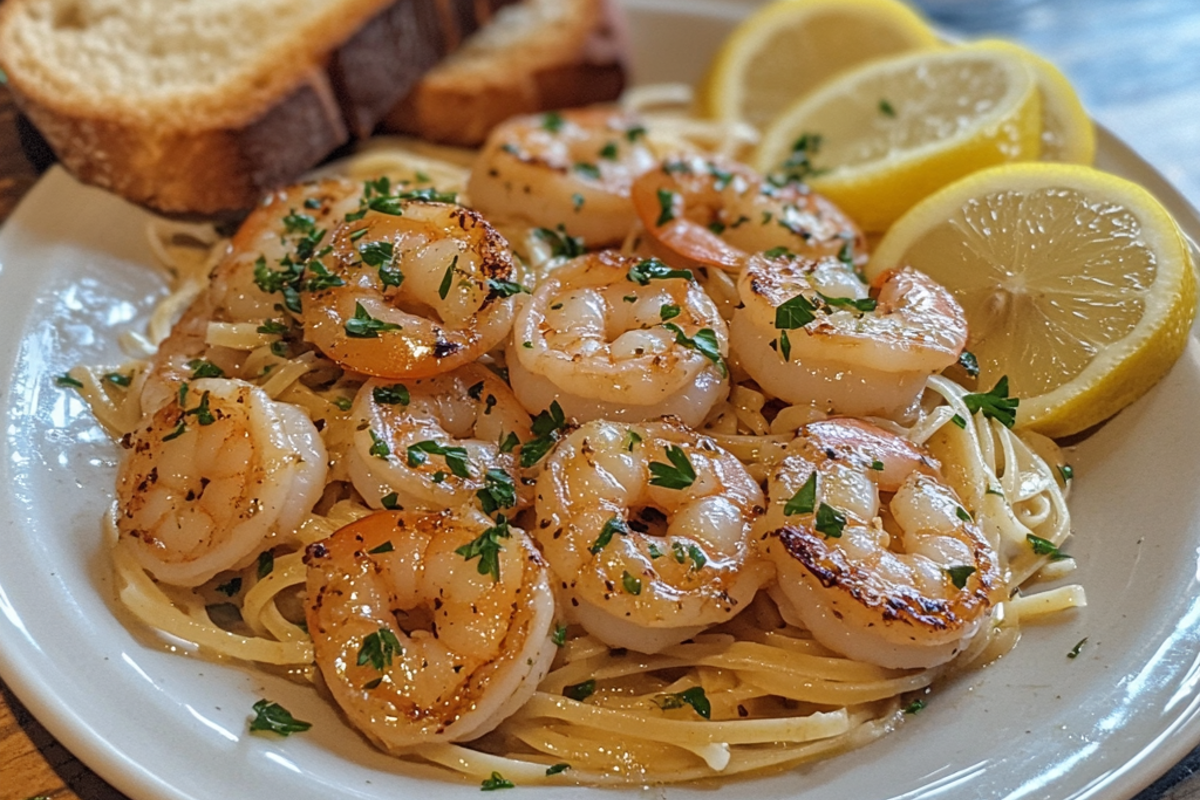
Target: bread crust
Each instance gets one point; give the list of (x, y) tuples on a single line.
[(582, 63), (217, 154)]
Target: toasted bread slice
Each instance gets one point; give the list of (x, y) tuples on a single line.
[(534, 56), (202, 106)]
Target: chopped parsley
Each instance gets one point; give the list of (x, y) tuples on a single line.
[(805, 499), (390, 501), (378, 649), (204, 369), (456, 457), (119, 379), (557, 768), (66, 380), (561, 243), (1077, 648), (497, 781), (448, 279), (553, 122), (1045, 547), (588, 170), (679, 474), (668, 311), (995, 404), (275, 718), (613, 526), (504, 288), (386, 547), (887, 109), (364, 326), (958, 575), (509, 443), (666, 207), (632, 585), (830, 521), (559, 637), (914, 706), (231, 587), (486, 547), (651, 269), (609, 151), (546, 426), (794, 313), (799, 165), (580, 691), (968, 361), (394, 395), (704, 342), (266, 564), (379, 447), (1067, 472), (498, 491), (693, 697)]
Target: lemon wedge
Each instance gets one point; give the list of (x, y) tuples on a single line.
[(896, 130), (1077, 285), (1067, 131), (789, 47)]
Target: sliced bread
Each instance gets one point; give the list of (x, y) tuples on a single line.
[(200, 106), (534, 56)]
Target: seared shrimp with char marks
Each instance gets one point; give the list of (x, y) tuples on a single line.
[(273, 247), (415, 291), (712, 211), (210, 476), (647, 529), (429, 628), (614, 337), (569, 168), (810, 333), (903, 587), (439, 442)]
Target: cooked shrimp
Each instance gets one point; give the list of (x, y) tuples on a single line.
[(413, 293), (614, 337), (272, 247), (809, 333), (431, 627), (439, 442), (906, 587), (210, 476), (646, 527), (713, 211), (569, 168)]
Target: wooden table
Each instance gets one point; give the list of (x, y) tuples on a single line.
[(33, 764)]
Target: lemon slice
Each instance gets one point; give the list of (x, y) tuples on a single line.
[(788, 47), (896, 130), (1077, 285), (1067, 131)]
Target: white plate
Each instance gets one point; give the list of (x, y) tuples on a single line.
[(74, 272)]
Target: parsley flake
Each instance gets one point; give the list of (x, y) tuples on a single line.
[(613, 526), (958, 575), (1045, 547), (274, 718), (498, 491), (679, 474), (794, 313), (632, 585), (651, 269), (486, 547), (394, 395), (968, 361), (378, 649), (546, 426), (364, 326), (1077, 648), (995, 404), (580, 691), (830, 521), (497, 781), (805, 499), (693, 697)]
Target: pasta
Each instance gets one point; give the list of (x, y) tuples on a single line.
[(770, 694)]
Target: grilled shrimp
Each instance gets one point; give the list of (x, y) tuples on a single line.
[(429, 628), (570, 168), (211, 475), (413, 291), (713, 211), (647, 529), (282, 233), (808, 332), (439, 442), (906, 592), (614, 337)]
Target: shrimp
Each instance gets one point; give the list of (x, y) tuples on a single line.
[(647, 529), (439, 442), (808, 332), (906, 587), (712, 211), (414, 292), (429, 628), (210, 476), (268, 255), (615, 337), (570, 168)]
